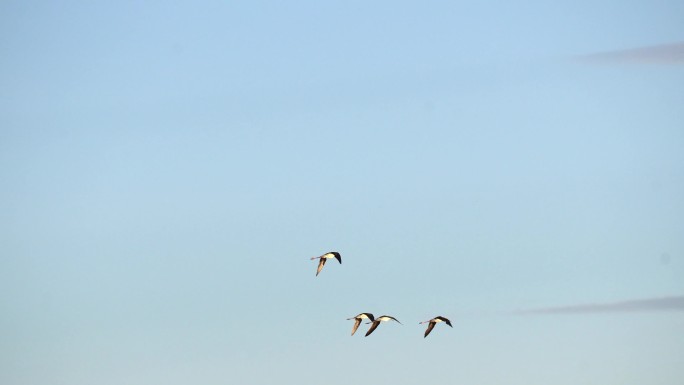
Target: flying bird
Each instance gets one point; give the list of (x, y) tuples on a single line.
[(377, 321), (324, 257), (359, 318), (434, 322)]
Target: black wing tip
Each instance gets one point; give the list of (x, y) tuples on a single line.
[(429, 328), (445, 319), (372, 328)]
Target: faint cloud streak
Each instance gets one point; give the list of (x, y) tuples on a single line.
[(642, 305), (659, 54)]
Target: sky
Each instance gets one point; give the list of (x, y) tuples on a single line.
[(168, 169)]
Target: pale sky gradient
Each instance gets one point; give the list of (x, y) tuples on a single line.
[(168, 169), (659, 54), (638, 305)]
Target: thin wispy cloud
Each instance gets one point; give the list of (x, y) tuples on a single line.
[(659, 54), (675, 303)]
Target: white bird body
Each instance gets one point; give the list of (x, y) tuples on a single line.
[(434, 322), (384, 318), (325, 257), (358, 320)]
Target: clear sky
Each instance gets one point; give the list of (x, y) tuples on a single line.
[(167, 169)]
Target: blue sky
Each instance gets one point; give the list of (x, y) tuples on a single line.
[(167, 171)]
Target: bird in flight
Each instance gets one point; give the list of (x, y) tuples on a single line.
[(324, 257), (434, 322), (359, 318), (377, 321)]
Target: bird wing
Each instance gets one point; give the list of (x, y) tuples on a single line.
[(429, 329), (370, 316), (356, 325), (444, 319), (394, 319), (338, 257), (373, 327), (320, 265)]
